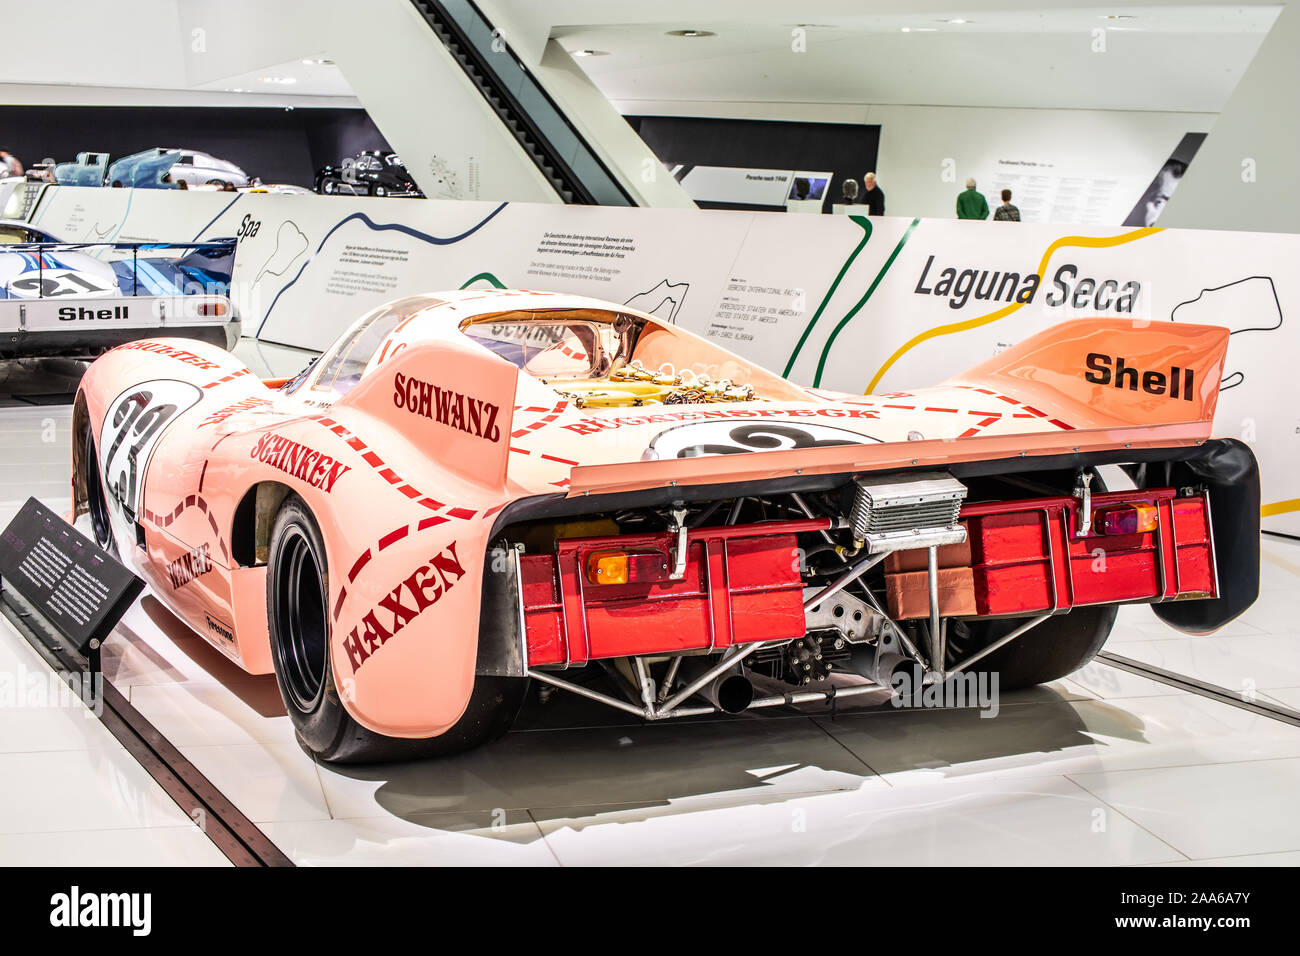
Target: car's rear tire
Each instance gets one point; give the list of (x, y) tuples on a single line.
[(297, 592), (1056, 647), (96, 499)]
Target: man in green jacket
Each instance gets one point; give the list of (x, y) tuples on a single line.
[(972, 204)]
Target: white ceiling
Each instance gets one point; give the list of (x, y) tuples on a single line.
[(1184, 56), (1177, 58)]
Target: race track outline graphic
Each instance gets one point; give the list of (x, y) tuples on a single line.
[(654, 299), (290, 243), (377, 227), (1088, 242), (1233, 379)]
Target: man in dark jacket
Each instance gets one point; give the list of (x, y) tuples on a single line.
[(873, 196), (972, 204), (1006, 212)]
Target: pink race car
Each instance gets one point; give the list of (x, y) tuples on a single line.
[(473, 489)]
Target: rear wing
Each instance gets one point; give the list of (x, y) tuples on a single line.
[(1124, 385), (885, 456), (139, 269), (1108, 373)]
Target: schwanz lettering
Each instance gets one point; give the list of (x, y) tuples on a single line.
[(447, 407)]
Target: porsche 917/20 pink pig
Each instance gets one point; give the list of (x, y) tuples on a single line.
[(472, 490)]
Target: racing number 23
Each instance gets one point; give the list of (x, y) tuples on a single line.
[(131, 430)]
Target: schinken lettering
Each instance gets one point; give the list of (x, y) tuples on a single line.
[(293, 458)]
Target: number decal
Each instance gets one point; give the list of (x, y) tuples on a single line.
[(54, 282), (732, 438), (135, 421)]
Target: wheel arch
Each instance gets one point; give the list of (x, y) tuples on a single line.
[(252, 520)]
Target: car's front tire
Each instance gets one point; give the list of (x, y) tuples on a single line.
[(96, 500), (297, 604)]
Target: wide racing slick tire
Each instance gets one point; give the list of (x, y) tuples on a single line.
[(1056, 647), (297, 593), (96, 499)]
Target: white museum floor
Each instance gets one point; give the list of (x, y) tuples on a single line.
[(1104, 767)]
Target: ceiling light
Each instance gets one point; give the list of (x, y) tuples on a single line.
[(691, 33), (1117, 16), (590, 53), (285, 80)]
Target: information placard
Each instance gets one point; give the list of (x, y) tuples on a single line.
[(77, 587)]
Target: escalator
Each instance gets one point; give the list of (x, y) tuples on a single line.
[(560, 152)]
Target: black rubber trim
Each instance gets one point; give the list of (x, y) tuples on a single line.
[(1200, 688), (560, 505), (92, 342), (220, 820)]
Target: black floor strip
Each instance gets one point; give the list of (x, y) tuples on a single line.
[(221, 821), (1210, 691)]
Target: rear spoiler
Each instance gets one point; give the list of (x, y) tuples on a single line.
[(1111, 372), (840, 459), (1125, 384)]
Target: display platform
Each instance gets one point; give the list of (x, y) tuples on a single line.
[(1103, 767)]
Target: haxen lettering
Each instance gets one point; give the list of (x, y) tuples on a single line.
[(423, 588)]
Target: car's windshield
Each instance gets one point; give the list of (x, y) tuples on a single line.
[(551, 349), (342, 367)]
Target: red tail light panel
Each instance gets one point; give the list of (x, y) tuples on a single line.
[(741, 584), (1025, 557)]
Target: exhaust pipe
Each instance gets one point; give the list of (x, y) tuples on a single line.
[(880, 663), (730, 692)]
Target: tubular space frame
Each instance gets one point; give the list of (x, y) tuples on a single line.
[(655, 707)]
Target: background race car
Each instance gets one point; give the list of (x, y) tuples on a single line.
[(82, 298), (369, 173)]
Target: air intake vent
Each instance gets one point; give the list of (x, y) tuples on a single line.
[(919, 511)]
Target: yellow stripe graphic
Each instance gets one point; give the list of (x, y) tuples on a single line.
[(1089, 242), (1280, 507)]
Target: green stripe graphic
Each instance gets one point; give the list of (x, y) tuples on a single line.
[(821, 364), (866, 230)]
